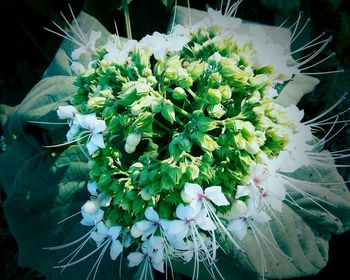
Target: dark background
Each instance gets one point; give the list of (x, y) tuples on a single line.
[(27, 49)]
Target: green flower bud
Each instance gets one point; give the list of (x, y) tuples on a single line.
[(171, 73), (216, 111), (226, 92), (240, 141), (184, 80), (254, 98), (214, 80), (213, 96), (96, 102), (205, 124), (196, 69), (179, 93)]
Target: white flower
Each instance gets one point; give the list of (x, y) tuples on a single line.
[(240, 226), (151, 252), (102, 233), (189, 217), (94, 127), (147, 227), (77, 68), (194, 194), (159, 43), (89, 47), (91, 218), (66, 112)]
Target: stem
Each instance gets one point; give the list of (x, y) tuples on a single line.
[(176, 108), (182, 111), (162, 126), (190, 91), (127, 18)]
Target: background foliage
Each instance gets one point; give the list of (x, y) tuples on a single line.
[(28, 49)]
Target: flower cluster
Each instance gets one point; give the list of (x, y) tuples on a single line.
[(185, 141)]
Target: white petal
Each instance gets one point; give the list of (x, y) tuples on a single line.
[(97, 139), (94, 35), (135, 258), (114, 232), (135, 231), (261, 217), (91, 147), (158, 266), (98, 126), (78, 52), (193, 190), (238, 228), (116, 249), (178, 228), (98, 238), (92, 188), (72, 132), (275, 203), (242, 191), (207, 224), (77, 68), (151, 214), (90, 206), (215, 194), (102, 228), (144, 225)]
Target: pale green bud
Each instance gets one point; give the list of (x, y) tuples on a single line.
[(179, 93), (226, 92), (96, 102), (216, 111), (214, 96), (196, 69), (133, 139), (254, 98), (240, 141), (214, 80), (129, 149)]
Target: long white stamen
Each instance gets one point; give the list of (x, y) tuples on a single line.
[(63, 36), (324, 73), (300, 31), (309, 45), (73, 30), (85, 257), (71, 216), (316, 63), (328, 110), (70, 243), (78, 27), (54, 123), (66, 143), (68, 35)]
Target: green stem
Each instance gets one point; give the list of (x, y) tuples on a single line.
[(176, 108), (190, 91), (127, 18), (162, 126)]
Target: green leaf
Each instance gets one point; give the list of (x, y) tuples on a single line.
[(41, 104), (296, 89)]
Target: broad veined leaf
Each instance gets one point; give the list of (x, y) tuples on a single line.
[(47, 190)]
